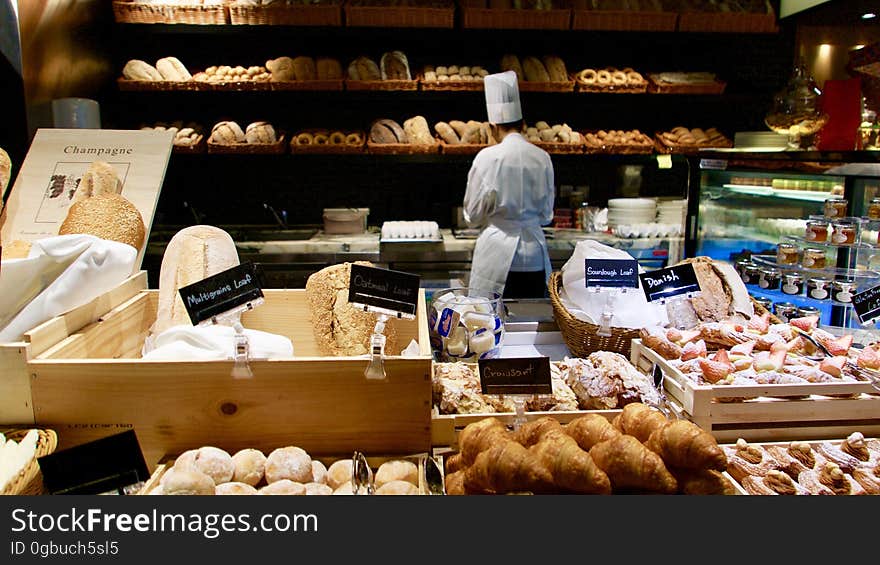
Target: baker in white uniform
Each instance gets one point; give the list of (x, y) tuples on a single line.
[(510, 194)]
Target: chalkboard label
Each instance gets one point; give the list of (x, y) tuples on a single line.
[(867, 304), (384, 289), (614, 273), (713, 164), (516, 375), (222, 292), (672, 281)]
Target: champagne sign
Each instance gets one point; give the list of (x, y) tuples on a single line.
[(221, 293), (515, 375), (613, 273), (667, 283), (867, 304), (386, 290)]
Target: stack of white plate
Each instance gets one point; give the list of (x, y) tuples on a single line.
[(631, 211), (671, 211)]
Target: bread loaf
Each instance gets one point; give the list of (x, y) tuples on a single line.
[(260, 132), (417, 131), (281, 69), (555, 68), (328, 68), (535, 70), (227, 133), (172, 69), (304, 68), (446, 132), (193, 254), (387, 131), (338, 327), (511, 63), (136, 69), (108, 216), (395, 66), (99, 178), (364, 68)]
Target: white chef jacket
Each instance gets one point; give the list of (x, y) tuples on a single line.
[(510, 191)]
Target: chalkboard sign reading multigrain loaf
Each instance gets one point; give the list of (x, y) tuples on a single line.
[(222, 292), (389, 291), (669, 282), (515, 375), (867, 304), (611, 273)]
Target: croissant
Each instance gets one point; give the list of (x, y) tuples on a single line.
[(590, 429), (480, 436), (454, 463), (704, 483), (508, 467), (685, 445), (572, 468), (455, 483), (870, 481), (639, 420), (532, 432), (631, 465)]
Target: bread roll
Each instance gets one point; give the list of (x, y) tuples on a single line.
[(339, 473), (212, 461), (340, 328), (172, 69), (397, 488), (233, 488), (186, 482), (284, 487), (304, 68), (99, 178), (319, 472), (193, 254), (136, 69), (108, 216), (318, 489), (250, 465), (328, 68), (291, 463), (417, 131), (397, 470)]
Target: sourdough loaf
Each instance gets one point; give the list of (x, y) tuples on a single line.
[(339, 328)]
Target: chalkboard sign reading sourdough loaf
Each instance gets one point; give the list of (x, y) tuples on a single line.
[(612, 273), (670, 282), (222, 292), (515, 375), (867, 304), (392, 292)]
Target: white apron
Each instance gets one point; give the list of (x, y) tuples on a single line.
[(495, 249)]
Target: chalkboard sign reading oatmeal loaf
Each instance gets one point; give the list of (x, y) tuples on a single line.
[(670, 282), (222, 292), (515, 375), (392, 291)]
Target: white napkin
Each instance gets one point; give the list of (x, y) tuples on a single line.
[(630, 309), (59, 274), (201, 343)]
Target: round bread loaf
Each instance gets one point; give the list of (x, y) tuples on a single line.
[(289, 463), (284, 486), (108, 216), (397, 470), (250, 465), (187, 482), (234, 488)]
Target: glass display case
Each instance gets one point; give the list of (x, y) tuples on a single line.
[(801, 227)]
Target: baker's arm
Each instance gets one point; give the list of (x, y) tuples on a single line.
[(479, 198)]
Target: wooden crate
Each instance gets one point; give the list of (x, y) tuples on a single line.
[(446, 427), (773, 412), (93, 384), (16, 405)]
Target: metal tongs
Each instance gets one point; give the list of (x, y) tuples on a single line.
[(662, 404), (873, 377)]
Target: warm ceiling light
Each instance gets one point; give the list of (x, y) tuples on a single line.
[(869, 16), (857, 47)]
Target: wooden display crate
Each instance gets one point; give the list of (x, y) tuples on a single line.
[(773, 412), (93, 384), (16, 405)]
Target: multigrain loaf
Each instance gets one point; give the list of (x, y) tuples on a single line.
[(108, 216), (339, 328)]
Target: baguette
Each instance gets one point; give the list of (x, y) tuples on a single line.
[(194, 253)]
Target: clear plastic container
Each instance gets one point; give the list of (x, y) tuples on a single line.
[(466, 325)]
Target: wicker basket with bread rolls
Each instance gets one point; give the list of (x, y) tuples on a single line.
[(684, 140), (390, 72), (305, 73), (611, 79), (413, 136), (328, 141), (618, 142), (452, 77), (539, 74), (227, 77), (556, 138), (228, 137), (458, 137)]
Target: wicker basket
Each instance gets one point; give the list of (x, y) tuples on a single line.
[(200, 146), (729, 22), (277, 148), (326, 148), (621, 20), (314, 85), (399, 16), (402, 148), (126, 85), (657, 87), (558, 86), (462, 148), (560, 148), (581, 337), (30, 480), (618, 149), (323, 14), (381, 84), (476, 17), (595, 88), (450, 85), (663, 147), (128, 12)]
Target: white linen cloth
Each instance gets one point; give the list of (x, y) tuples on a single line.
[(630, 309), (59, 274), (211, 342)]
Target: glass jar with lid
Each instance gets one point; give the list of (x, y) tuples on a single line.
[(817, 230), (874, 209), (835, 208), (844, 233), (814, 258), (787, 254)]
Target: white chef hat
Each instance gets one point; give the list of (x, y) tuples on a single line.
[(502, 97)]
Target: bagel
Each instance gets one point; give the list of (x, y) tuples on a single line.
[(305, 138), (603, 77), (633, 77), (587, 76), (354, 139), (321, 139), (618, 78), (336, 138)]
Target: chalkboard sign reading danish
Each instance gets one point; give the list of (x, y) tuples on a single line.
[(222, 292), (614, 273), (515, 375), (667, 283), (867, 304), (390, 291)]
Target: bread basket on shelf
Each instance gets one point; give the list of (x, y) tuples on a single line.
[(29, 480), (130, 12), (582, 338), (328, 13)]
